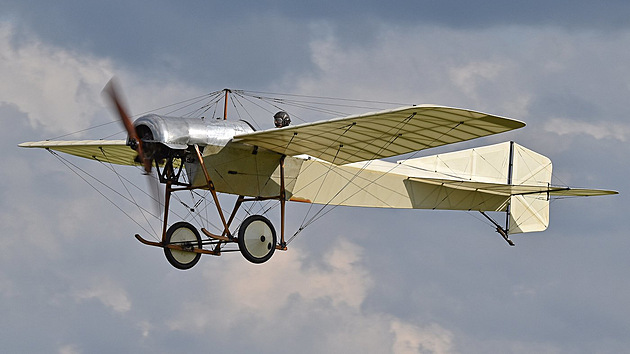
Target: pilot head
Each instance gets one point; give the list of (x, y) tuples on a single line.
[(281, 119)]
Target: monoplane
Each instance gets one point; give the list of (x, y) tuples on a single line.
[(341, 161)]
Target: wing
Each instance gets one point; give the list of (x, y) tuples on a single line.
[(111, 151), (380, 134)]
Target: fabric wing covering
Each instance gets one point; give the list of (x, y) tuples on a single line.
[(380, 134), (110, 151)]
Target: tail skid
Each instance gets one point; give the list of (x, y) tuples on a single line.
[(503, 232)]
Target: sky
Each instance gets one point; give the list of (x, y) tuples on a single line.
[(74, 280)]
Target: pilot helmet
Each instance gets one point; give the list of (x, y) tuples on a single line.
[(281, 119)]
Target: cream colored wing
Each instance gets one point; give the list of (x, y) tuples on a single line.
[(110, 151), (380, 134)]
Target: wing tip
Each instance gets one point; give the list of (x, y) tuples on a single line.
[(509, 123), (34, 144)]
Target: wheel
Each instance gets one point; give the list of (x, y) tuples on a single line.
[(187, 236), (257, 239)]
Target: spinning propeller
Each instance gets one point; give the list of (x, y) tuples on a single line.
[(135, 142)]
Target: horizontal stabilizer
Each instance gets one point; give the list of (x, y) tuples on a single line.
[(512, 190), (581, 192), (502, 177)]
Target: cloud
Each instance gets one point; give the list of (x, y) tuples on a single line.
[(525, 73), (413, 339), (407, 65), (69, 349), (341, 281), (230, 42), (324, 298), (225, 46), (56, 88), (363, 290), (108, 291), (59, 90), (599, 130), (471, 75)]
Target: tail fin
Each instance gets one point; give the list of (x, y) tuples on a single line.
[(504, 177), (528, 212), (501, 177)]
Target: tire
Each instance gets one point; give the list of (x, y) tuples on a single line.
[(186, 235), (257, 239)]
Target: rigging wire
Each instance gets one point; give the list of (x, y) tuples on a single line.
[(276, 102), (84, 130), (68, 164), (194, 100), (211, 100), (215, 96), (320, 214), (320, 211), (177, 103), (112, 135), (236, 98), (326, 98), (263, 100), (113, 169), (249, 99)]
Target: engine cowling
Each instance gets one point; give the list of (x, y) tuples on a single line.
[(179, 133)]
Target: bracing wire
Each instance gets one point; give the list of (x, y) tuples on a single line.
[(338, 99), (84, 130), (74, 168), (113, 169), (186, 103), (266, 101), (320, 212)]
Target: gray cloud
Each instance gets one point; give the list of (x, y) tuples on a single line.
[(227, 43), (71, 271)]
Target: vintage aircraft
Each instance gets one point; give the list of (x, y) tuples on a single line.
[(332, 162)]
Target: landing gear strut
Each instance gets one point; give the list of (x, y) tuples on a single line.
[(182, 243)]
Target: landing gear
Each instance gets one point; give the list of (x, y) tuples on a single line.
[(182, 243), (257, 239), (186, 238)]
